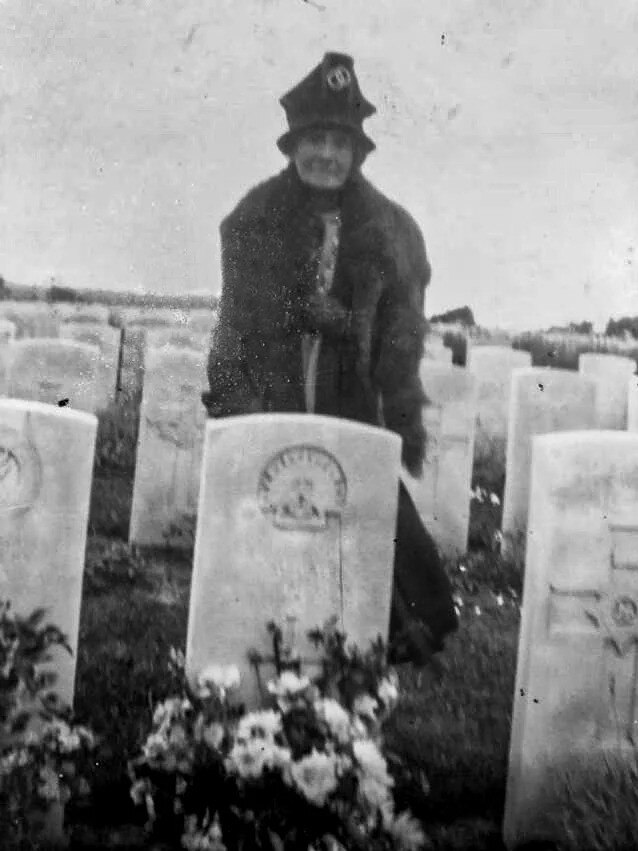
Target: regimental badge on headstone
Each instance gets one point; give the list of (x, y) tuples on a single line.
[(300, 487)]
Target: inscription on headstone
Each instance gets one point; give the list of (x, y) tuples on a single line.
[(296, 524)]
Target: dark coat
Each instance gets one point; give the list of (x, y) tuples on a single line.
[(374, 332), (378, 298)]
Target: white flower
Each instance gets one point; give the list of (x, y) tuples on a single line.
[(221, 678), (388, 691), (288, 684), (249, 758), (212, 734), (462, 568), (407, 832), (49, 786), (263, 724), (477, 610), (372, 762), (67, 738), (376, 795), (359, 729), (315, 776), (139, 790), (156, 746), (494, 499), (499, 600), (336, 717), (365, 706), (168, 711)]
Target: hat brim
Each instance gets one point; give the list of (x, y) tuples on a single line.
[(286, 143)]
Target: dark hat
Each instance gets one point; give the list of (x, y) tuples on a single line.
[(328, 97)]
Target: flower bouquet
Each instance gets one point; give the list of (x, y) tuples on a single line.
[(306, 771), (43, 754)]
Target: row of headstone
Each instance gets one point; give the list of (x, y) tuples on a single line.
[(305, 508), (298, 523)]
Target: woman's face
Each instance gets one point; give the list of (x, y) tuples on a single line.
[(324, 158)]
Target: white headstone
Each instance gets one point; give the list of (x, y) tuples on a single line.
[(442, 495), (632, 403), (90, 313), (8, 331), (576, 681), (169, 447), (53, 370), (107, 341), (177, 337), (297, 517), (46, 466), (493, 367), (542, 401), (610, 372), (202, 321), (32, 319), (7, 337)]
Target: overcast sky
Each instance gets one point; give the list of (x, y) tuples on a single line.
[(128, 128)]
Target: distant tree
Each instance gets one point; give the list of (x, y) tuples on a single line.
[(619, 327), (572, 328), (57, 293), (460, 315)]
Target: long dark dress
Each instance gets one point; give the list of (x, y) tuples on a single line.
[(422, 608)]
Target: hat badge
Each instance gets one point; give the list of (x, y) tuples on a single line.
[(338, 78)]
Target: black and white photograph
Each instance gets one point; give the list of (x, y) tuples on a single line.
[(318, 425)]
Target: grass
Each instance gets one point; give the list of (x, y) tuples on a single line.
[(451, 732)]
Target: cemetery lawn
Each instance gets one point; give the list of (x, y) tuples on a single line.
[(450, 732)]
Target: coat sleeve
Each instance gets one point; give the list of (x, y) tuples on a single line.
[(231, 382), (401, 334)]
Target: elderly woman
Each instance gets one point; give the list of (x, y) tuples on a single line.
[(322, 311)]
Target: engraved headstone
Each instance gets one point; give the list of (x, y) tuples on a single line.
[(54, 371), (542, 401), (297, 517), (442, 495), (107, 341), (169, 447), (46, 465), (576, 682), (611, 373), (493, 367)]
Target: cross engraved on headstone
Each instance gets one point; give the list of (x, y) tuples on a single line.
[(612, 610)]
